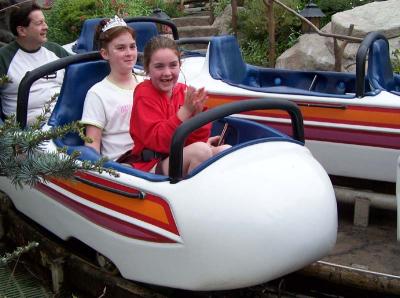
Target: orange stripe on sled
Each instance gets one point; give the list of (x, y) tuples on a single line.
[(332, 113), (151, 209)]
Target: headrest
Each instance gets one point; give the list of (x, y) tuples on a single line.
[(380, 71), (225, 60), (144, 32), (78, 79)]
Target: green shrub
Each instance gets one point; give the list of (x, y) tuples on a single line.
[(255, 51), (170, 8), (66, 17), (253, 34), (219, 6), (396, 61)]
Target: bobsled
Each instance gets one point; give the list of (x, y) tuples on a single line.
[(351, 120), (257, 211)]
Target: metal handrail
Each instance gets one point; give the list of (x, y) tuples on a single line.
[(361, 59), (186, 128), (31, 76)]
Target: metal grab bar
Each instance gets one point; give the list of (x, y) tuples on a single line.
[(361, 58), (185, 129)]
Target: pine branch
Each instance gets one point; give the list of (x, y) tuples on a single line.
[(23, 160), (4, 79), (17, 252)]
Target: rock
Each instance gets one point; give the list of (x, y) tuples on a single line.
[(318, 53), (6, 36), (223, 22), (382, 16), (305, 57)]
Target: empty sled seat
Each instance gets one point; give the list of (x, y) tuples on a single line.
[(380, 71), (144, 32), (78, 79), (85, 41), (225, 60)]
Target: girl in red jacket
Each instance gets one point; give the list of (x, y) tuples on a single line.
[(160, 105)]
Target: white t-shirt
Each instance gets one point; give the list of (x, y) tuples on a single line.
[(15, 62), (109, 107)]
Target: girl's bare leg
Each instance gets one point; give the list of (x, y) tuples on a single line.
[(193, 155), (218, 149)]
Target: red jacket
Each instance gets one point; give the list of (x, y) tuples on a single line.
[(154, 121)]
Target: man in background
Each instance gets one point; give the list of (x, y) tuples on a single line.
[(29, 51)]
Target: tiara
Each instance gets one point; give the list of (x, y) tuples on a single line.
[(115, 22)]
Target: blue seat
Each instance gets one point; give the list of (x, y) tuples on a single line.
[(85, 40), (144, 32), (226, 64), (225, 60), (380, 71), (78, 79)]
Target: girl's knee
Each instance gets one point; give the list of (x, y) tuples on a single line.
[(221, 148), (200, 151)]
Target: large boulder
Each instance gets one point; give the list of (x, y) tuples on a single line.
[(383, 16), (223, 22), (305, 56), (315, 52), (5, 35)]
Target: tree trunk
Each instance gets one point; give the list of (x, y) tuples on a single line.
[(234, 16), (271, 32)]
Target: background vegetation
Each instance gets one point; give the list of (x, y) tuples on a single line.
[(66, 17), (253, 35), (396, 61)]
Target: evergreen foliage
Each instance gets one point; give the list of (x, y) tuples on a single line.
[(8, 257), (23, 161)]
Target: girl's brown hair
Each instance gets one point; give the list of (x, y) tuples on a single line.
[(102, 39), (156, 43)]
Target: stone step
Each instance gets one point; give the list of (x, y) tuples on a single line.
[(192, 21), (196, 10), (197, 31), (195, 47)]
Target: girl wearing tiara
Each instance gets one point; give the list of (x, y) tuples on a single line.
[(108, 104), (160, 105)]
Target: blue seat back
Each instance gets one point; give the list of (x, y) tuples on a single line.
[(144, 32), (85, 41), (380, 71), (78, 79), (225, 60)]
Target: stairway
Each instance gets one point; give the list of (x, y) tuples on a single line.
[(196, 23)]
